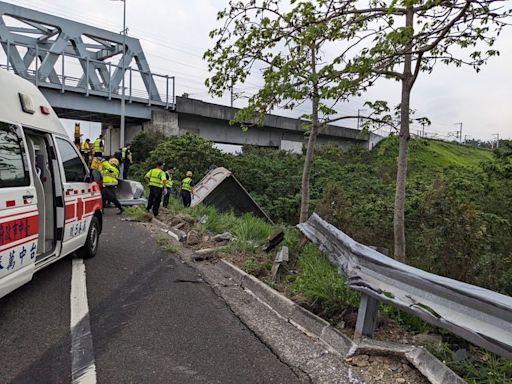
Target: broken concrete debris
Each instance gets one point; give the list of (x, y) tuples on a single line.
[(193, 237), (226, 236), (274, 240), (279, 264)]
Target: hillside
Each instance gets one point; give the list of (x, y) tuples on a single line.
[(431, 156)]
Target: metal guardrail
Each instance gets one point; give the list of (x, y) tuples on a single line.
[(164, 95), (479, 315)]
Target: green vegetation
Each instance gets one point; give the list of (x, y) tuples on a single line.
[(166, 244), (457, 223), (320, 283), (138, 213), (478, 367)]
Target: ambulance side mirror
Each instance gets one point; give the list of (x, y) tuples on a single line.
[(87, 179)]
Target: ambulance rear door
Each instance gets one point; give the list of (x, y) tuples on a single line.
[(19, 222)]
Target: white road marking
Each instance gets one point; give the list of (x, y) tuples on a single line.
[(83, 368)]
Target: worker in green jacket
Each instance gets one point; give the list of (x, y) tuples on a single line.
[(110, 172), (187, 189), (170, 184), (157, 181), (99, 146)]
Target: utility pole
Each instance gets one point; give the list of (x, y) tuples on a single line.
[(497, 135), (122, 133), (460, 132), (359, 117)]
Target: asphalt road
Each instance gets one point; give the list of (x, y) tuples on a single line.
[(152, 320)]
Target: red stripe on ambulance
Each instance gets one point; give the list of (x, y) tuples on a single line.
[(18, 229), (92, 205), (70, 211), (82, 208)]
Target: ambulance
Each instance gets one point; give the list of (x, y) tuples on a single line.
[(49, 205)]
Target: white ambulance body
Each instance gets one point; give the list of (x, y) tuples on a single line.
[(49, 207)]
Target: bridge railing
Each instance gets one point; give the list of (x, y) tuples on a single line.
[(479, 315), (72, 73)]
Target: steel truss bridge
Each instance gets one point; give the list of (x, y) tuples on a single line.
[(61, 56)]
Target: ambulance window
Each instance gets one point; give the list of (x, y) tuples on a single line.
[(73, 166), (13, 170)]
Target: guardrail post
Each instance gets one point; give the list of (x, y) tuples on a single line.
[(367, 316)]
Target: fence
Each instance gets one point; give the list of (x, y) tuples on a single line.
[(479, 315), (94, 77)]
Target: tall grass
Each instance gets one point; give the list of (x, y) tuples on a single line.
[(138, 213), (480, 367), (321, 284)]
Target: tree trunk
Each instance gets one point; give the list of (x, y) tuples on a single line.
[(404, 137), (310, 150)]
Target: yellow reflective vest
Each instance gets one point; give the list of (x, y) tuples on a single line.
[(98, 145), (110, 174), (169, 179), (86, 148), (156, 178), (185, 184), (126, 154)]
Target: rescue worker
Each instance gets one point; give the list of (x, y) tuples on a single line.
[(157, 182), (99, 146), (118, 155), (168, 174), (126, 153), (86, 151), (186, 189), (110, 172)]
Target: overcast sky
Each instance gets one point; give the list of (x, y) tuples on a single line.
[(174, 34)]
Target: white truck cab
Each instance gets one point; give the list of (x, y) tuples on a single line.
[(49, 207)]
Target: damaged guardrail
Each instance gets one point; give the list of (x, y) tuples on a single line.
[(479, 315)]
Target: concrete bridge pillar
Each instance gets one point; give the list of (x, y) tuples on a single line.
[(165, 122), (110, 137)]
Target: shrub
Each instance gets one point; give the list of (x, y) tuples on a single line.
[(144, 143)]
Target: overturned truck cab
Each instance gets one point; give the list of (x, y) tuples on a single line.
[(220, 189)]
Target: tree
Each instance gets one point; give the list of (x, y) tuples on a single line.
[(433, 31), (289, 48)]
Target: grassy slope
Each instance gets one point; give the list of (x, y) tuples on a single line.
[(439, 154), (431, 156)]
